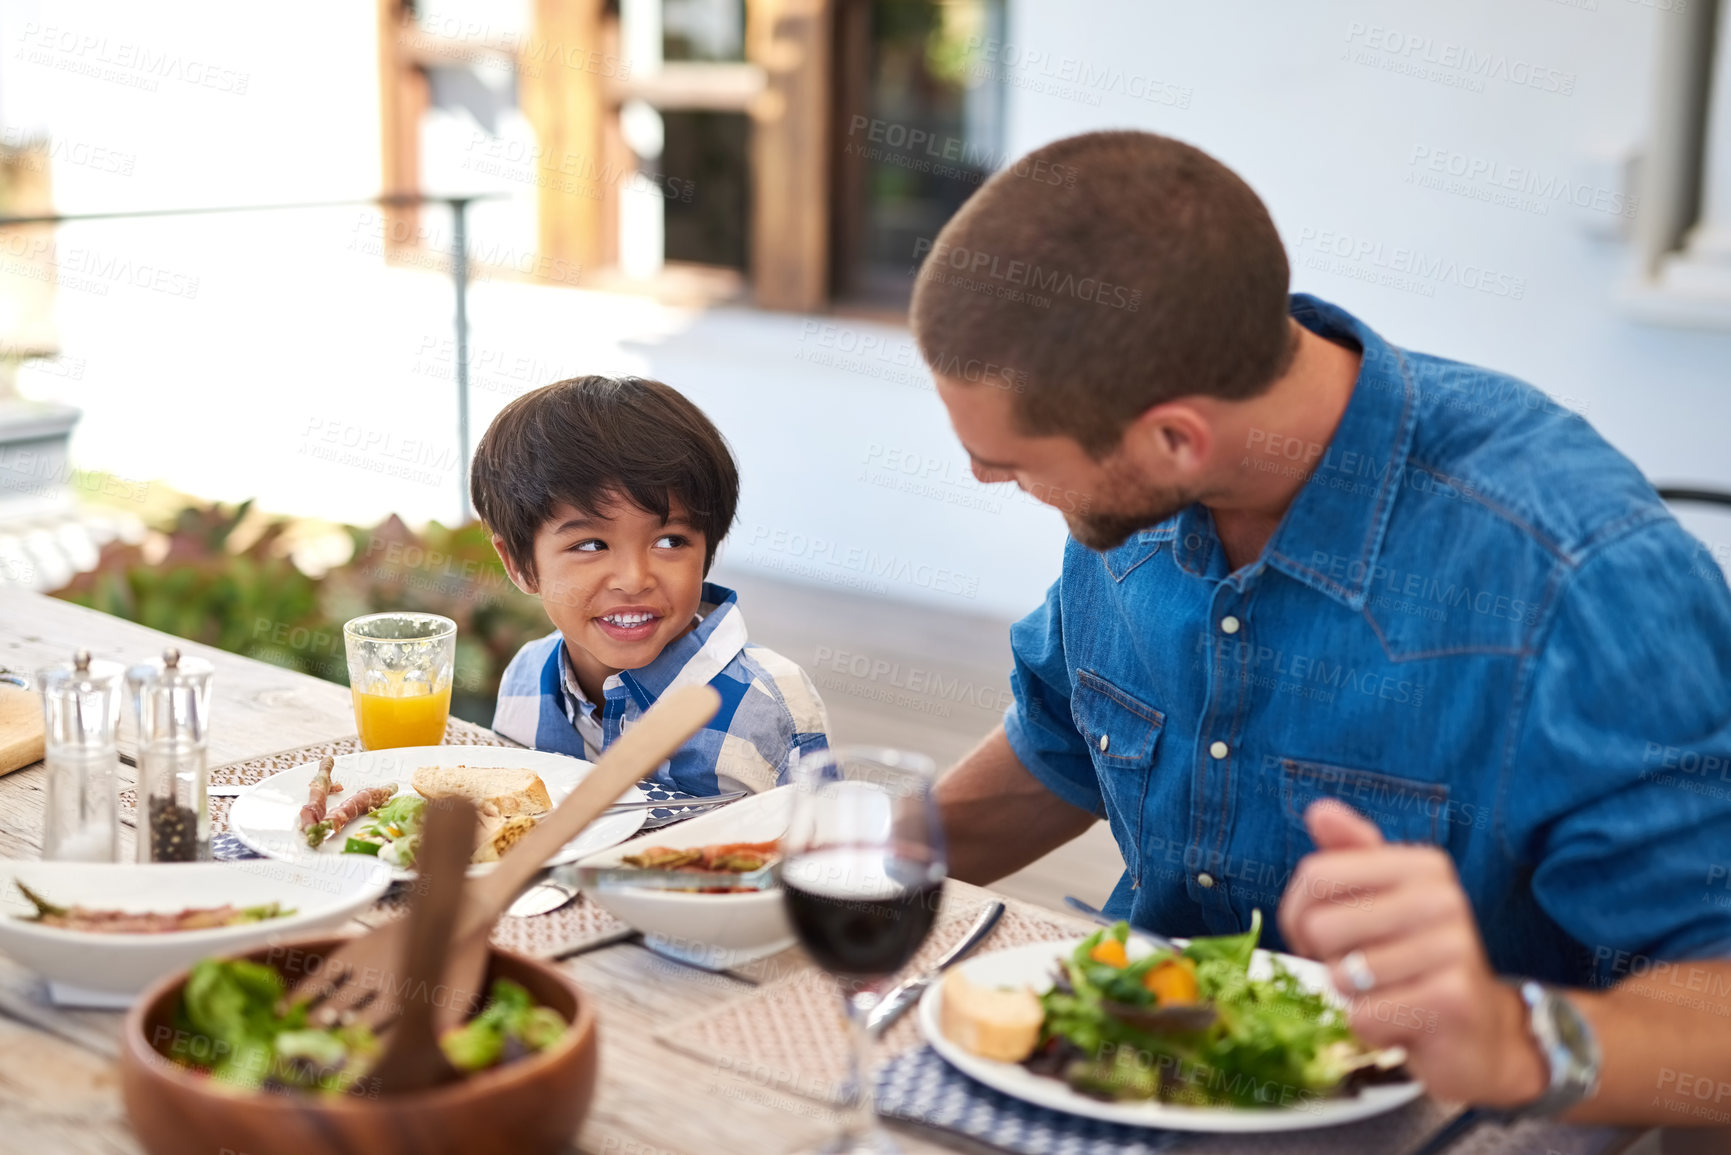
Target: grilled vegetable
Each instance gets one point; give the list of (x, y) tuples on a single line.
[(352, 808), (82, 918)]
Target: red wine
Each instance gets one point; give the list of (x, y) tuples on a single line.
[(861, 912)]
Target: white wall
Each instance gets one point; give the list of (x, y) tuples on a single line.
[(1285, 95), (307, 374)]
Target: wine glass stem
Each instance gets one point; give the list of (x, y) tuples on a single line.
[(862, 1111)]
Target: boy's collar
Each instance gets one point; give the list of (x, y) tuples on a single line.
[(694, 658)]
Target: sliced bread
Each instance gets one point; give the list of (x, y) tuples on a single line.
[(493, 789)]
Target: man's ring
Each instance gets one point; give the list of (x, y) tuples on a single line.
[(1358, 972)]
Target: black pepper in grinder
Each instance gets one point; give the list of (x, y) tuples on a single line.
[(171, 701)]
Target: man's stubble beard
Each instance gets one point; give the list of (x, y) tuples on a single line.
[(1127, 505)]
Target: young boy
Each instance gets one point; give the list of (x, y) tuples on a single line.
[(607, 499)]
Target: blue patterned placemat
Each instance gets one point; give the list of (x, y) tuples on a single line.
[(229, 848), (920, 1087)]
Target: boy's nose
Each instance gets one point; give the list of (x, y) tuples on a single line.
[(631, 574)]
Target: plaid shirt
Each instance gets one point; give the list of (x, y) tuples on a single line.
[(770, 711)]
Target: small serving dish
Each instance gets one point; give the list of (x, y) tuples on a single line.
[(671, 907)]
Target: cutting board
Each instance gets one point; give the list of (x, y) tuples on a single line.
[(21, 730)]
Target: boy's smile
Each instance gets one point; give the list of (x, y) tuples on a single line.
[(619, 583), (629, 623)]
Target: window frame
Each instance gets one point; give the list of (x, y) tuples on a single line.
[(783, 86)]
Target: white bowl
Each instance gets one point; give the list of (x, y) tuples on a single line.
[(104, 969), (714, 931)]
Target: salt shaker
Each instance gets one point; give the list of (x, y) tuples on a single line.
[(171, 700), (81, 709)]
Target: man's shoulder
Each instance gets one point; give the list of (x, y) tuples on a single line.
[(1523, 457)]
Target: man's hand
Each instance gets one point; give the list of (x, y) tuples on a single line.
[(1401, 909)]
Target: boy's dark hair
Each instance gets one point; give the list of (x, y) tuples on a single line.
[(1102, 275), (590, 439)]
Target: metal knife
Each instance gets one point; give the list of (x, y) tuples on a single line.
[(893, 1005), (678, 803)]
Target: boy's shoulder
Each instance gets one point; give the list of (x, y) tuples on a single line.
[(522, 676), (786, 681)]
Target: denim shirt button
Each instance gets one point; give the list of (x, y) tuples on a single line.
[(1229, 624), (1205, 880), (1218, 750), (1105, 741)]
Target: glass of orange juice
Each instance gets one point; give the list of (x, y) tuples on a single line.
[(400, 677)]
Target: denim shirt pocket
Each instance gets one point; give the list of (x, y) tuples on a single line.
[(1122, 732), (1405, 810)]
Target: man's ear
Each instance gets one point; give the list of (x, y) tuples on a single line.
[(522, 581), (1173, 439)]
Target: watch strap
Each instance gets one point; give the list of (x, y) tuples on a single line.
[(1570, 1048)]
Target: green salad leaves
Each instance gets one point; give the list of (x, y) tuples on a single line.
[(1235, 1041), (393, 832), (511, 1024), (235, 1023), (230, 1023)]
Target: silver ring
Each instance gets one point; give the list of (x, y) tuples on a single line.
[(1358, 972)]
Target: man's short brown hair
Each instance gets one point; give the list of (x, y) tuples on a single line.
[(1146, 271), (591, 440)]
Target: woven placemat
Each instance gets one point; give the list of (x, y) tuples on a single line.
[(579, 925), (790, 1031)]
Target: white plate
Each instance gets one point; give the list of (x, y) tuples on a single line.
[(265, 817), (325, 893), (1033, 966), (713, 931)]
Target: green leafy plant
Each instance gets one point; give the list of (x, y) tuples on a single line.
[(223, 576)]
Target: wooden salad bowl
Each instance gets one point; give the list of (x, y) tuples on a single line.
[(532, 1105)]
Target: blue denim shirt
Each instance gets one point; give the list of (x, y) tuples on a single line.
[(1477, 625)]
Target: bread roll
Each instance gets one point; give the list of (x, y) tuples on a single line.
[(989, 1022)]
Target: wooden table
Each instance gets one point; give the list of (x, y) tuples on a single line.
[(59, 1088)]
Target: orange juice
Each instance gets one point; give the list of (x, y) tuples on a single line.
[(387, 720)]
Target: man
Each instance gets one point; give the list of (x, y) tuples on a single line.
[(1389, 643)]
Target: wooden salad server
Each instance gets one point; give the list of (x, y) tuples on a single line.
[(412, 1059)]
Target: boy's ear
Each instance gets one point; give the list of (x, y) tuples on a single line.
[(527, 584)]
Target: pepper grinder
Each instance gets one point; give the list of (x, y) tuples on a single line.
[(81, 713), (171, 701)]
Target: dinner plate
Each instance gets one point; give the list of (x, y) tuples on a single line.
[(1034, 965), (266, 816)]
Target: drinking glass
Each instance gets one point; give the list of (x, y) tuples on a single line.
[(862, 871), (400, 677)]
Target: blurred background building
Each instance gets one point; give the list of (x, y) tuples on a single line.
[(733, 196)]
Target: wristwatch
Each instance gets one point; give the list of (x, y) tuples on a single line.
[(1569, 1046)]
